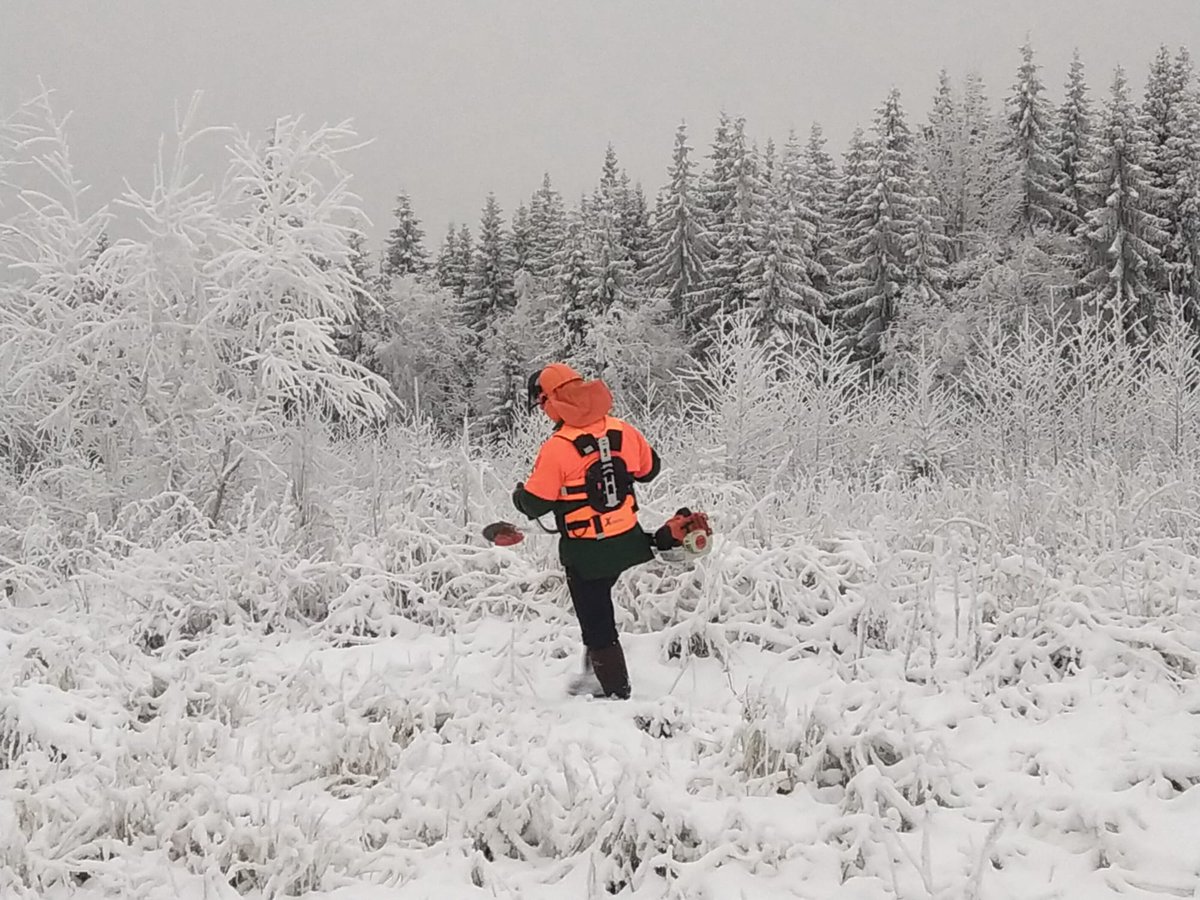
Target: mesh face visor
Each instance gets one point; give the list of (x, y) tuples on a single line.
[(533, 390)]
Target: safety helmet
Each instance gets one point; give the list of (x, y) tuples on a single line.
[(545, 381)]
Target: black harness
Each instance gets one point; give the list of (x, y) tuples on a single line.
[(606, 484)]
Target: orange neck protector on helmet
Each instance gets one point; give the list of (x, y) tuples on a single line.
[(570, 399)]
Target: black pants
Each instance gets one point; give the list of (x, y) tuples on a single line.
[(592, 600)]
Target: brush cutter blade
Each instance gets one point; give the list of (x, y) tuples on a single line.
[(503, 534)]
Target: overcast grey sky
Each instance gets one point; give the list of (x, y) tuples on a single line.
[(461, 98)]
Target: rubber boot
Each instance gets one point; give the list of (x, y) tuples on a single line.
[(609, 665)]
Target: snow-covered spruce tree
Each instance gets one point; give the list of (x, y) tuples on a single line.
[(608, 195), (609, 267), (891, 235), (503, 368), (358, 256), (765, 162), (817, 186), (776, 273), (854, 282), (735, 183), (404, 250), (1184, 148), (1072, 148), (610, 261), (976, 179), (487, 297), (489, 289), (465, 249), (547, 226), (716, 201), (572, 277), (522, 239), (715, 179), (785, 183), (1170, 118), (855, 181), (633, 224), (447, 270), (968, 172), (734, 236), (995, 174), (610, 175), (1030, 143), (924, 246), (941, 148), (677, 259), (1122, 236)]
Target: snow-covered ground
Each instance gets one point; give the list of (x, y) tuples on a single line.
[(867, 713), (946, 645)]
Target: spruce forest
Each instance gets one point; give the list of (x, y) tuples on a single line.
[(928, 234), (937, 391)]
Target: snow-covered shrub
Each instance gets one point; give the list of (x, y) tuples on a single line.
[(734, 416), (773, 748), (823, 387), (416, 341), (161, 364), (1172, 384), (641, 833), (927, 438), (186, 589), (636, 348)]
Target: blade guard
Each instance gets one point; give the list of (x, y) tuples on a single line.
[(503, 534)]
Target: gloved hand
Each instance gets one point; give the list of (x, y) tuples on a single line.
[(673, 533), (517, 493)]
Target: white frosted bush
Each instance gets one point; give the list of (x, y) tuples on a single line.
[(162, 364)]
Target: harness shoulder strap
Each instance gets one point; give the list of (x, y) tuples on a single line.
[(586, 443), (570, 434)]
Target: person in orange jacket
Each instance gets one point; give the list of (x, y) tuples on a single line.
[(585, 474)]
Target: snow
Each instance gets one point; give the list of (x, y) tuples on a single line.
[(945, 645), (446, 760)]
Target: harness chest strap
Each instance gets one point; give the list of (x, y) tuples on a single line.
[(611, 498)]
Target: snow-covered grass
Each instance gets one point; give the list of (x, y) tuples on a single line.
[(946, 645), (960, 690)]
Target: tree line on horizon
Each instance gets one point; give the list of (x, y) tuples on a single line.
[(975, 212)]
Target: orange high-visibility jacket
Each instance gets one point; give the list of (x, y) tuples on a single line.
[(559, 474)]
